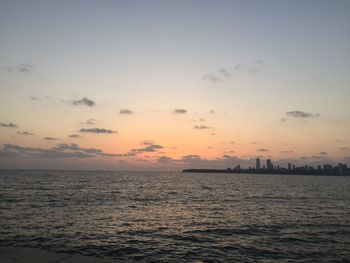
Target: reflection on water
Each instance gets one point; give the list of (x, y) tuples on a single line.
[(172, 217)]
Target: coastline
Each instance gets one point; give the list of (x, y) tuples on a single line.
[(264, 172)]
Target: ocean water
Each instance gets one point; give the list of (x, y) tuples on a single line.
[(178, 217)]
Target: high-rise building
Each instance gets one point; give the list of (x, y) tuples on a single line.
[(269, 165), (257, 165), (289, 166), (341, 168)]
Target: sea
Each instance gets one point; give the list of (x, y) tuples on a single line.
[(177, 217)]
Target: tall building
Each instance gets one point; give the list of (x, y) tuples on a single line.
[(269, 165), (257, 164), (289, 166)]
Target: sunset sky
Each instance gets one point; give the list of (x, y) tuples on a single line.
[(166, 85)]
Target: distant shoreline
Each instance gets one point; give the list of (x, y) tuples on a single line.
[(277, 172)]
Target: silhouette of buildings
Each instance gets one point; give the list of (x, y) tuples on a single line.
[(269, 165), (257, 164), (326, 169)]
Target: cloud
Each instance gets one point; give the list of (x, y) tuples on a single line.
[(89, 122), (323, 153), (225, 156), (344, 149), (96, 130), (59, 151), (232, 142), (24, 133), (301, 114), (212, 77), (50, 139), (8, 125), (164, 160), (256, 67), (262, 150), (212, 112), (34, 98), (224, 73), (283, 120), (196, 161), (180, 111), (191, 158), (125, 111), (202, 119), (239, 67), (287, 152), (19, 68), (200, 127), (148, 142), (150, 147), (84, 101), (74, 136)]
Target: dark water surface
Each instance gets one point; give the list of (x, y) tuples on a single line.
[(176, 217)]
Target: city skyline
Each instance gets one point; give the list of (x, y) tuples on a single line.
[(325, 169), (132, 85)]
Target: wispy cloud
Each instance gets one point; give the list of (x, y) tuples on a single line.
[(125, 112), (256, 67), (165, 160), (344, 149), (74, 136), (323, 153), (25, 133), (212, 77), (8, 125), (237, 69), (262, 150), (196, 161), (150, 147), (96, 130), (180, 111), (59, 151), (287, 152), (191, 158), (224, 72), (84, 101), (89, 122), (50, 139), (301, 114), (201, 127), (20, 68), (148, 142)]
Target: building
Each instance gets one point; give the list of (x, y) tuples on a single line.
[(289, 166), (269, 165), (257, 164), (341, 168)]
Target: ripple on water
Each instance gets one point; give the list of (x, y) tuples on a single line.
[(175, 217)]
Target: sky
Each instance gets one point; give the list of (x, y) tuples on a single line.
[(167, 85)]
